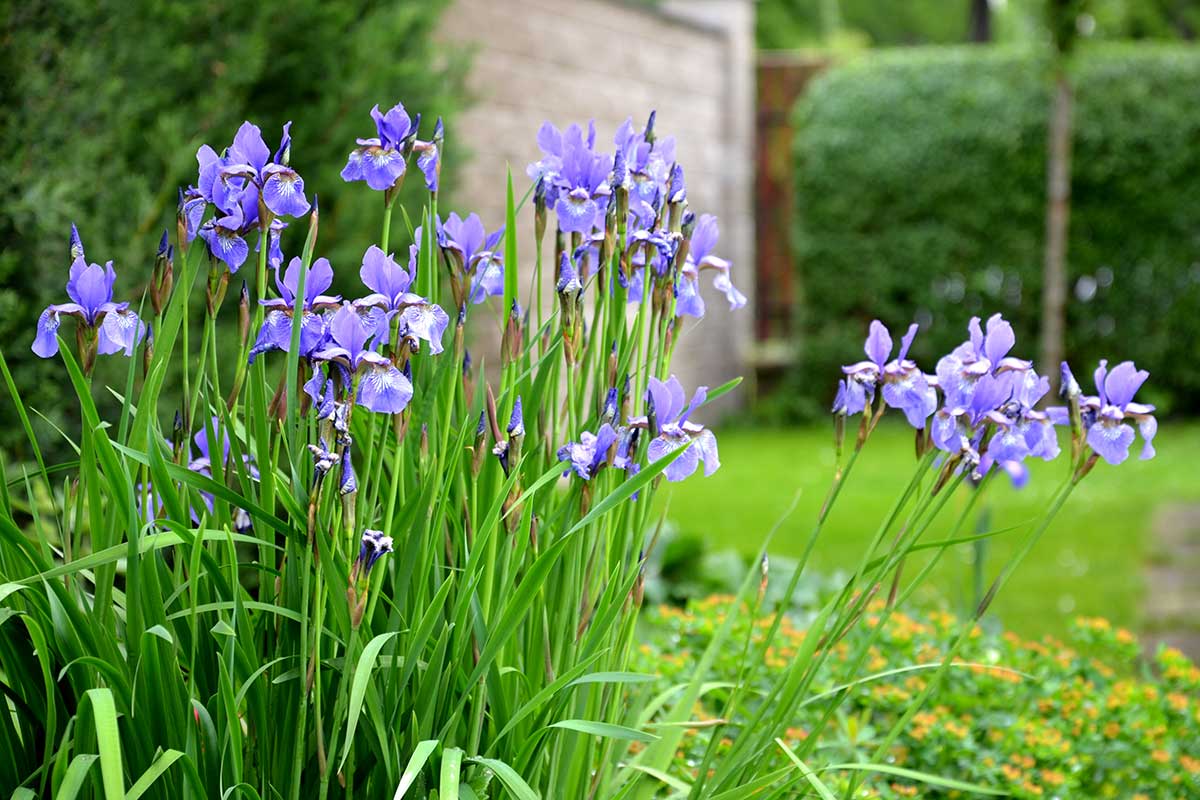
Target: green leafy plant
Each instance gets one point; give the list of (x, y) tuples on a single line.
[(1082, 718)]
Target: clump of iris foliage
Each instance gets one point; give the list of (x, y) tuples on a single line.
[(369, 567), (1082, 718)]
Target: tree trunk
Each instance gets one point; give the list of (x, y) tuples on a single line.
[(981, 21), (1058, 213)]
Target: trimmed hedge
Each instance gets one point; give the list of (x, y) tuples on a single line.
[(105, 105), (920, 180)]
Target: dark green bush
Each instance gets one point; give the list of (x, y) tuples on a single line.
[(105, 103), (920, 193)]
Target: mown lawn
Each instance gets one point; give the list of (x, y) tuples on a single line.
[(1089, 562)]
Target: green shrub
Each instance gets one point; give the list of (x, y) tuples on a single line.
[(920, 182), (1085, 718), (98, 98)]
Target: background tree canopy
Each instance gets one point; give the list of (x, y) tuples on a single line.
[(106, 102)]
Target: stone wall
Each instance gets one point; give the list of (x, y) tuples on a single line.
[(575, 60)]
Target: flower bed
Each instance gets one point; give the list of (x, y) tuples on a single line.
[(1082, 718)]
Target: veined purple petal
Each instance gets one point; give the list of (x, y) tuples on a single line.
[(944, 432), (911, 394), (384, 389), (283, 192), (683, 466), (427, 162), (45, 343), (381, 167), (704, 237), (352, 330), (488, 280), (576, 212), (120, 331), (706, 446), (225, 244), (426, 321), (275, 334), (353, 170), (1100, 376), (1110, 440)]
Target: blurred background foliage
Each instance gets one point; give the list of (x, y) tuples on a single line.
[(920, 188), (853, 24), (105, 103)]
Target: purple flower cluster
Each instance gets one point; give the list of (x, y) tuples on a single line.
[(105, 326), (382, 160), (667, 422), (250, 189), (472, 253), (344, 337), (988, 414), (640, 188)]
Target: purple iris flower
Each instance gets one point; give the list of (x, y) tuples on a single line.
[(590, 453), (905, 387), (548, 170), (981, 355), (90, 288), (280, 187), (1104, 415), (276, 330), (648, 165), (669, 414), (389, 283), (700, 258), (475, 249), (583, 184), (960, 429), (382, 388), (574, 176), (380, 161), (235, 183)]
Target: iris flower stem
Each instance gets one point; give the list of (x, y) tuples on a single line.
[(302, 695), (969, 626), (385, 235)]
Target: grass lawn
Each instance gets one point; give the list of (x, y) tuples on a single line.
[(1089, 561)]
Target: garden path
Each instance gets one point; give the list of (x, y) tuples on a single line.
[(1172, 605)]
